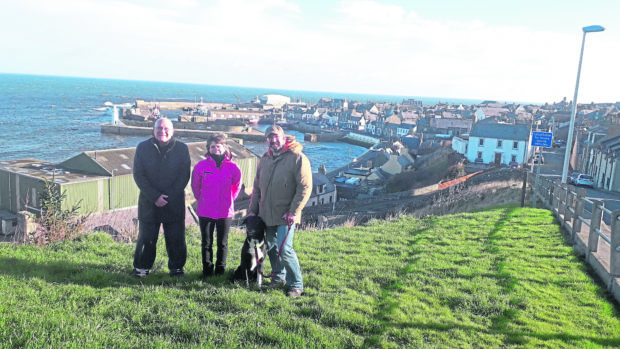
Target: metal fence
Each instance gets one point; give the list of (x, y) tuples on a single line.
[(593, 230)]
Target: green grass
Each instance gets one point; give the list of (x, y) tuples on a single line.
[(502, 277)]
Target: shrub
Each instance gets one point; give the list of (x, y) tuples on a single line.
[(56, 223)]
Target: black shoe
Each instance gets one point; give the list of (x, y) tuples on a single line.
[(139, 273), (177, 273), (219, 271)]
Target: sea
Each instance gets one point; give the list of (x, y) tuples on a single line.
[(53, 118)]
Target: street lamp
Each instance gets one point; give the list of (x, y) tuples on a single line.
[(569, 141)]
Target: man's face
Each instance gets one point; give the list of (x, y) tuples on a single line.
[(275, 142), (217, 148), (163, 131)]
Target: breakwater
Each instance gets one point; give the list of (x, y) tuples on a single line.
[(123, 130)]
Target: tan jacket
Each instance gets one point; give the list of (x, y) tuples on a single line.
[(283, 184)]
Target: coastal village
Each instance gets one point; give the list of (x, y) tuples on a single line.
[(404, 141)]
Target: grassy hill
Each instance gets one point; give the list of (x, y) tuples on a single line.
[(500, 277)]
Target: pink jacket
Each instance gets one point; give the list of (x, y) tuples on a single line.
[(216, 188)]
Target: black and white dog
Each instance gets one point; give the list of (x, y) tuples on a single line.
[(253, 252)]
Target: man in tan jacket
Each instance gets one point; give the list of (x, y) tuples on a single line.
[(282, 186)]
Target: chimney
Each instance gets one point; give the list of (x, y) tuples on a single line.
[(322, 169)]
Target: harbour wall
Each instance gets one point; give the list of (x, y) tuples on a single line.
[(179, 105), (123, 130)]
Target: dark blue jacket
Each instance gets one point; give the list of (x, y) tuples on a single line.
[(161, 172)]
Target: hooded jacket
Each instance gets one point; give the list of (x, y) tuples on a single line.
[(158, 171), (216, 188), (283, 183)]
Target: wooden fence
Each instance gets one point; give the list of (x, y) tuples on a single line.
[(593, 230)]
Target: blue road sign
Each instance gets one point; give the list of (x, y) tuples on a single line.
[(542, 139)]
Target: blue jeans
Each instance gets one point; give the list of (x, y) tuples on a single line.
[(288, 267)]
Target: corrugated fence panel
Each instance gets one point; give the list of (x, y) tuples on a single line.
[(124, 192), (5, 192), (88, 192)]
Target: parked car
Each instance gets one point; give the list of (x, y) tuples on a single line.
[(513, 164), (558, 143), (571, 177), (537, 158), (584, 180)]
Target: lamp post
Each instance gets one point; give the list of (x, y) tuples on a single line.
[(569, 141)]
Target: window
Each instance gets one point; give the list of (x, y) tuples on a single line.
[(499, 143), (513, 158), (479, 155), (515, 145), (481, 142)]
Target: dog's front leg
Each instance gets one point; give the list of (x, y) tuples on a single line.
[(259, 276)]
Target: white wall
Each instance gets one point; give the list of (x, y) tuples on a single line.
[(490, 148), (459, 145)]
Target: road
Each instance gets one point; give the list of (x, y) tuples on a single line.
[(552, 168)]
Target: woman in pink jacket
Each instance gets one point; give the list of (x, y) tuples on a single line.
[(216, 184)]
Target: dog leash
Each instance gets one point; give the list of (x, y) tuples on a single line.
[(273, 270)]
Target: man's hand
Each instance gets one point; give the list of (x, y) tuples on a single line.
[(161, 201), (289, 218)]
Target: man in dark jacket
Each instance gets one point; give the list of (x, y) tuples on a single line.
[(161, 170)]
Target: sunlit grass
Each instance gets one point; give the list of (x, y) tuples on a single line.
[(499, 277)]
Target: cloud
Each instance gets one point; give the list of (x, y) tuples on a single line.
[(350, 46)]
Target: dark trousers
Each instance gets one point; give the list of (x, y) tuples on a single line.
[(146, 246), (207, 226)]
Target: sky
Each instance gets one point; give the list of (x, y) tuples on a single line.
[(509, 50)]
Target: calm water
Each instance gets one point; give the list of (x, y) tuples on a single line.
[(54, 118)]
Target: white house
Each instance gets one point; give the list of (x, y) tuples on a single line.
[(323, 191), (487, 112), (498, 143)]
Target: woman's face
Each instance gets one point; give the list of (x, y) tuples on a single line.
[(217, 148)]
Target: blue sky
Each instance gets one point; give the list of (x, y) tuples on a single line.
[(522, 50)]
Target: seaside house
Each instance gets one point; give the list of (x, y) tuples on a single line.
[(323, 191), (487, 112), (452, 126), (406, 127), (497, 143)]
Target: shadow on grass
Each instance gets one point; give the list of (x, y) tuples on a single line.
[(97, 275), (387, 303)]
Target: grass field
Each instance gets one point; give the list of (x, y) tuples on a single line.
[(502, 277)]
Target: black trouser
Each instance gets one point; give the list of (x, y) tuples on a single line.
[(207, 226), (146, 246)]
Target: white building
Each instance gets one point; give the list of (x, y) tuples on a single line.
[(323, 191), (276, 100), (498, 143)]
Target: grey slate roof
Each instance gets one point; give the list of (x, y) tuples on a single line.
[(518, 132)]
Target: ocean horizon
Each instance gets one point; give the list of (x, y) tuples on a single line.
[(53, 118), (247, 93)]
